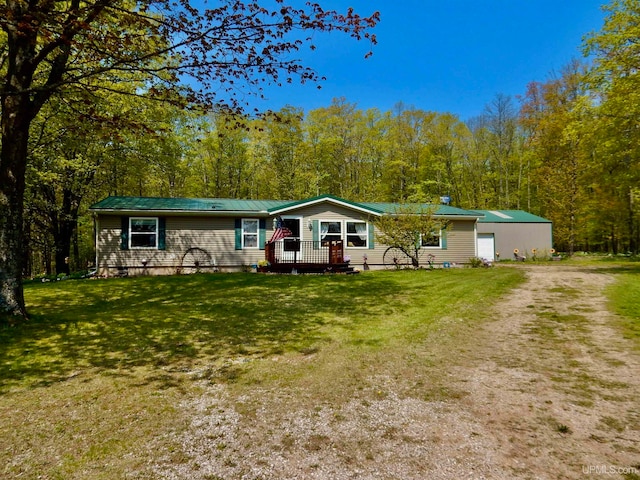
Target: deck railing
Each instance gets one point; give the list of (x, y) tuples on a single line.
[(291, 250)]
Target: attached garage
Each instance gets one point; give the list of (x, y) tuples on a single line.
[(500, 232)]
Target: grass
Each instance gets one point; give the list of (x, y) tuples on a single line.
[(624, 297), (99, 371), (182, 323), (624, 294)]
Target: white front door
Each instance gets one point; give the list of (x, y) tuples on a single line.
[(486, 246)]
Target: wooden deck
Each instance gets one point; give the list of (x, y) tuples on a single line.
[(295, 256)]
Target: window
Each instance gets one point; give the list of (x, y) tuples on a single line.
[(143, 232), (250, 233), (431, 240), (330, 231), (357, 234)]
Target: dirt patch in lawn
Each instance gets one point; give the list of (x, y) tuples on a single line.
[(546, 389)]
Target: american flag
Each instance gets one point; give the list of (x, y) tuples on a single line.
[(281, 231)]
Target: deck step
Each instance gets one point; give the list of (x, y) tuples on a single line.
[(343, 268)]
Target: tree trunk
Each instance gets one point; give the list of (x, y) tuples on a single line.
[(633, 247), (15, 131), (64, 229), (17, 109), (63, 250), (48, 267), (77, 264), (27, 250)]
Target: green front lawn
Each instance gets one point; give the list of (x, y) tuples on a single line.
[(97, 375), (190, 321)]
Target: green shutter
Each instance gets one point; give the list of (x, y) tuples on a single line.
[(162, 233), (262, 233), (124, 233), (238, 226), (372, 244), (316, 234), (443, 239)]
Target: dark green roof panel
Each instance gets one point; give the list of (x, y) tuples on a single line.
[(510, 216), (357, 205), (386, 207), (185, 204), (202, 205)]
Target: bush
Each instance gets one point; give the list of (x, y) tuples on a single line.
[(475, 262)]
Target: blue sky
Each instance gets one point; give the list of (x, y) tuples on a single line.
[(443, 55)]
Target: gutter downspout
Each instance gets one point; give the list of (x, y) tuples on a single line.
[(96, 226)]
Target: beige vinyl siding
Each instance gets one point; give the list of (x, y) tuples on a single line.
[(214, 235), (330, 212), (461, 237), (323, 211), (461, 242), (461, 246)]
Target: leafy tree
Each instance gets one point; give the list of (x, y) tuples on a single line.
[(615, 80), (219, 157), (49, 48), (407, 227), (475, 169), (407, 151), (337, 137), (373, 151), (69, 157), (442, 171), (503, 148), (64, 155), (555, 113), (613, 179), (279, 147)]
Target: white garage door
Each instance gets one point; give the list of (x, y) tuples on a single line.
[(486, 246)]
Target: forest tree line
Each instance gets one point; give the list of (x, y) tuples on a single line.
[(567, 149)]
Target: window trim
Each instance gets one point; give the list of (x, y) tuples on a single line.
[(366, 234), (243, 234), (156, 233), (439, 246), (343, 231), (321, 221)]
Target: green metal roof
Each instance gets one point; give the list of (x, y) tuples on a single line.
[(184, 204), (221, 205), (331, 198), (447, 210), (510, 216)]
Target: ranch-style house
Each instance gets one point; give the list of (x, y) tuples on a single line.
[(136, 235)]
